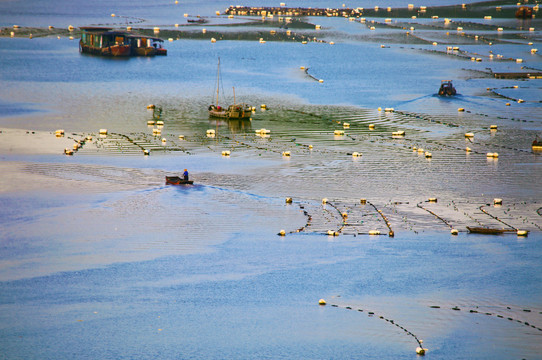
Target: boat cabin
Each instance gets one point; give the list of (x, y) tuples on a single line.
[(108, 42)]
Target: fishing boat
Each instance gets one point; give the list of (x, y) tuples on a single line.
[(108, 42), (175, 180), (489, 231), (236, 111), (104, 41), (446, 88)]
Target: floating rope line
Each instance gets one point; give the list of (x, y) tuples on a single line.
[(500, 316), (311, 76), (340, 229), (435, 215), (371, 314), (390, 233), (496, 218)]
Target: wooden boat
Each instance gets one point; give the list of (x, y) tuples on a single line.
[(489, 231), (107, 42), (235, 111), (104, 41), (446, 88), (175, 180)]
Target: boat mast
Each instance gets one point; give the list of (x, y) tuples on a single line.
[(217, 81), (233, 95)]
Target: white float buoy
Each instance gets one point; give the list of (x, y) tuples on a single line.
[(497, 201), (286, 153), (346, 125), (103, 131), (282, 233), (338, 132), (469, 135), (374, 232), (461, 109), (432, 199), (181, 137), (428, 155), (213, 40), (226, 153), (454, 231), (356, 154), (522, 233), (324, 201), (493, 127)]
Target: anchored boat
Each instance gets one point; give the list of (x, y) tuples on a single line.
[(489, 231), (235, 111), (108, 42)]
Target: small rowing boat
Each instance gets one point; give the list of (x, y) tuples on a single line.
[(175, 180), (489, 231)]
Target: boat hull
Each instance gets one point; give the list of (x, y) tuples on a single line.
[(175, 180), (488, 231)]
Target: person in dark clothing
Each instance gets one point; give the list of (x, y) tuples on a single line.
[(185, 175)]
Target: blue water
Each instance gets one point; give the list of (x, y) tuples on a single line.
[(100, 259)]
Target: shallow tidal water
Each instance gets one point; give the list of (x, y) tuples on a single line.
[(100, 259)]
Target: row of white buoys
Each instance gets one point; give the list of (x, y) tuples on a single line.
[(374, 232), (356, 154), (492, 155), (156, 132), (210, 133), (226, 153), (59, 133), (338, 132)]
